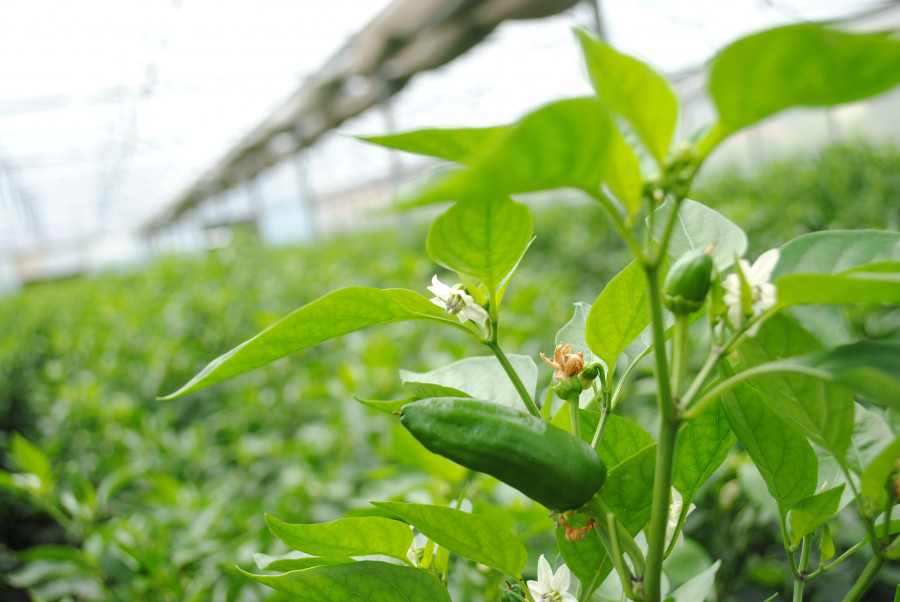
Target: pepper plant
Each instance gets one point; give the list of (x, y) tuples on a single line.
[(619, 496)]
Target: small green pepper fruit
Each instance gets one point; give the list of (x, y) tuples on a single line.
[(687, 282), (568, 388)]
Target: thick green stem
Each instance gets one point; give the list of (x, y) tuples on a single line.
[(865, 580), (800, 577), (665, 444), (575, 417), (601, 426), (680, 352), (514, 377)]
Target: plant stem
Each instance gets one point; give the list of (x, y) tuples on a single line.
[(610, 209), (836, 562), (575, 417), (800, 577), (865, 580), (604, 417), (514, 377), (665, 444), (679, 353), (667, 230)]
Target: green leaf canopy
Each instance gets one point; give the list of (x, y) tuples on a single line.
[(354, 536)]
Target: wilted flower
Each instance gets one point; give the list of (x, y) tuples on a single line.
[(550, 586), (566, 363), (458, 302), (761, 292)]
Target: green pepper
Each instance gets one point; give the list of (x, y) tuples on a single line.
[(549, 465), (687, 282)]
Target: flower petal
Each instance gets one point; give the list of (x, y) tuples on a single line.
[(545, 573), (764, 266), (561, 579)]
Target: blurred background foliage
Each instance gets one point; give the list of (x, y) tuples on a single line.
[(145, 500)]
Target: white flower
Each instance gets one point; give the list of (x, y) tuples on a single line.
[(762, 292), (458, 303), (674, 514), (551, 587)]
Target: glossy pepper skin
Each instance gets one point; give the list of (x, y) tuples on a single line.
[(687, 282), (544, 462)]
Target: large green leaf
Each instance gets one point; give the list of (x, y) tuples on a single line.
[(799, 65), (295, 561), (478, 377), (837, 251), (870, 368), (338, 313), (364, 581), (821, 410), (703, 444), (573, 333), (483, 239), (586, 558), (354, 536), (697, 227), (471, 536), (564, 144), (632, 89), (875, 475), (851, 287), (451, 144), (619, 315), (622, 438), (784, 457), (699, 588), (628, 490), (811, 512)]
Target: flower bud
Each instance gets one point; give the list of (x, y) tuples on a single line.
[(568, 389), (687, 282)]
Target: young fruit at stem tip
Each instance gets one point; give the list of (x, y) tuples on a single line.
[(688, 280)]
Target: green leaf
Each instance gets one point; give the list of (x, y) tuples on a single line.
[(296, 562), (871, 435), (564, 144), (851, 287), (573, 333), (471, 536), (820, 410), (633, 90), (811, 512), (837, 251), (364, 581), (586, 558), (338, 313), (697, 227), (702, 445), (388, 407), (619, 315), (698, 588), (481, 378), (784, 457), (628, 490), (355, 536), (870, 368), (481, 238), (799, 65), (31, 459), (622, 438), (453, 145), (826, 548), (875, 475), (424, 390)]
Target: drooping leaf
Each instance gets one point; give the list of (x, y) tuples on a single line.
[(481, 378), (451, 144), (338, 313), (810, 513), (837, 251), (632, 89), (471, 536), (799, 65), (821, 410), (628, 490), (870, 368), (619, 314), (481, 238), (703, 444), (359, 582), (354, 536), (586, 558), (696, 227), (783, 456)]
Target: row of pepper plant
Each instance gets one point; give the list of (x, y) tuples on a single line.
[(618, 496)]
